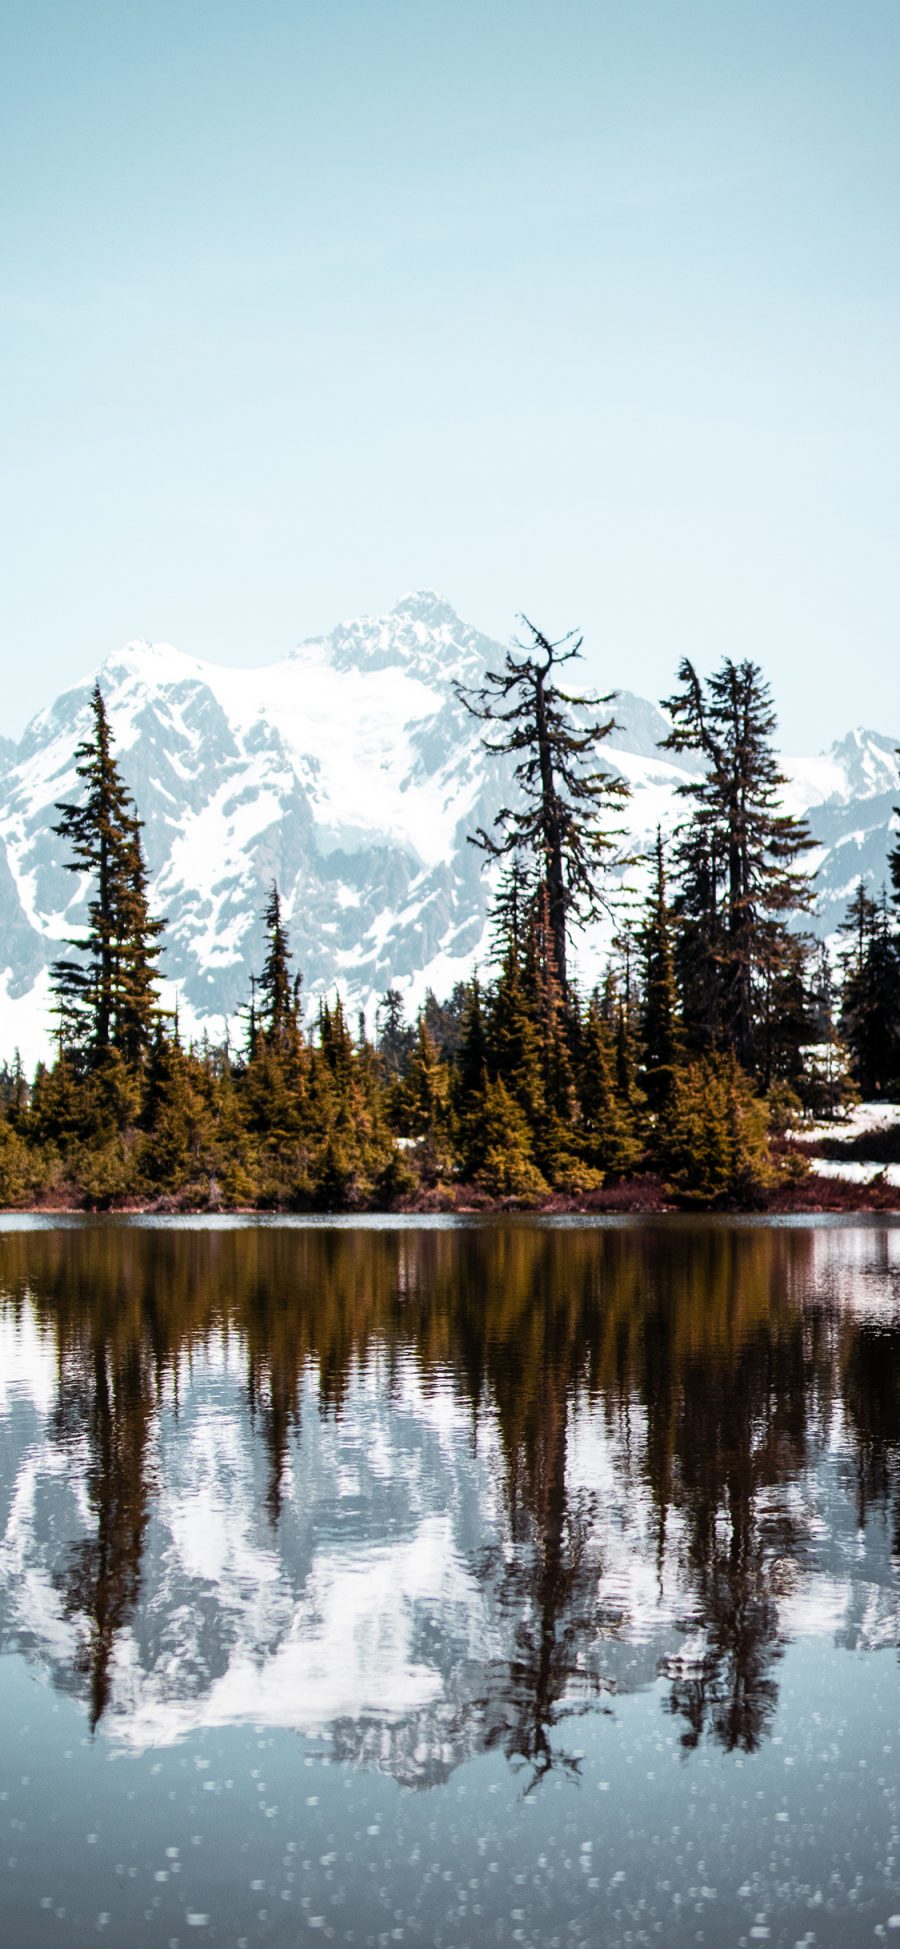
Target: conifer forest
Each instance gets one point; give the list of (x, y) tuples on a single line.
[(720, 1025)]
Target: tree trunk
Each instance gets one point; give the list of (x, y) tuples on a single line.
[(556, 885)]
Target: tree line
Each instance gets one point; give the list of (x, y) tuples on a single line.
[(718, 1021)]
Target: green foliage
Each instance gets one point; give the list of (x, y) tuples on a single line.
[(610, 1139), (662, 1037), (513, 1086), (16, 1166), (107, 1000), (870, 1000), (737, 861), (504, 1161), (713, 1140)]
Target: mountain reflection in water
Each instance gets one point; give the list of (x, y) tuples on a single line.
[(428, 1492)]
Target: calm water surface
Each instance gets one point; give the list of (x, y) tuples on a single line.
[(453, 1585)]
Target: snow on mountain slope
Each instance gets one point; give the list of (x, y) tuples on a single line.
[(351, 774)]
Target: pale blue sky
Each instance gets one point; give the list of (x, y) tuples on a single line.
[(588, 309)]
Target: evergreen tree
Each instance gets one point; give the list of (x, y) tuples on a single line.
[(472, 1058), (661, 1032), (511, 910), (542, 984), (14, 1091), (786, 1023), (894, 859), (394, 1036), (561, 822), (504, 1163), (273, 1082), (870, 1000), (740, 875), (827, 1084), (426, 1102), (513, 1043), (444, 1020), (173, 1115), (714, 1137), (698, 937), (277, 1008), (107, 1001), (621, 1007), (609, 1136)]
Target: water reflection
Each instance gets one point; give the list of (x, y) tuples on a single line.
[(433, 1492)]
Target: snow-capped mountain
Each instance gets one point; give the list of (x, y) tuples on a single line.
[(351, 774)]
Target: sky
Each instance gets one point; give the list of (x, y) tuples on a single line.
[(582, 309)]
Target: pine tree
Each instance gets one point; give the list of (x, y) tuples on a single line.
[(661, 1032), (609, 1135), (511, 910), (173, 1115), (827, 1084), (542, 984), (870, 1000), (621, 1006), (744, 844), (894, 858), (277, 1009), (713, 1139), (273, 1083), (472, 1056), (786, 1025), (513, 1042), (394, 1036), (698, 937), (426, 1102), (561, 823), (108, 1001), (504, 1164)]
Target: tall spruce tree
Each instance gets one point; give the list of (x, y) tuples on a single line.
[(739, 859), (277, 997), (608, 1136), (107, 1001), (565, 798), (662, 1037), (894, 858), (870, 998)]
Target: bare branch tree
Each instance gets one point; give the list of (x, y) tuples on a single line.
[(566, 796)]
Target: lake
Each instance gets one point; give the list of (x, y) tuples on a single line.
[(449, 1583)]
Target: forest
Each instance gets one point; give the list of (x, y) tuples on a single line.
[(719, 1026)]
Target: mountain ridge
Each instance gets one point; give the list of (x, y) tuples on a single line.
[(349, 771)]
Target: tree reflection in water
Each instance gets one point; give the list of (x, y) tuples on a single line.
[(712, 1357)]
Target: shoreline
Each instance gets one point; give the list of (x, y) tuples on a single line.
[(811, 1194)]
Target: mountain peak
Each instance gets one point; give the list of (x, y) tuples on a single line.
[(422, 635), (426, 606)]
